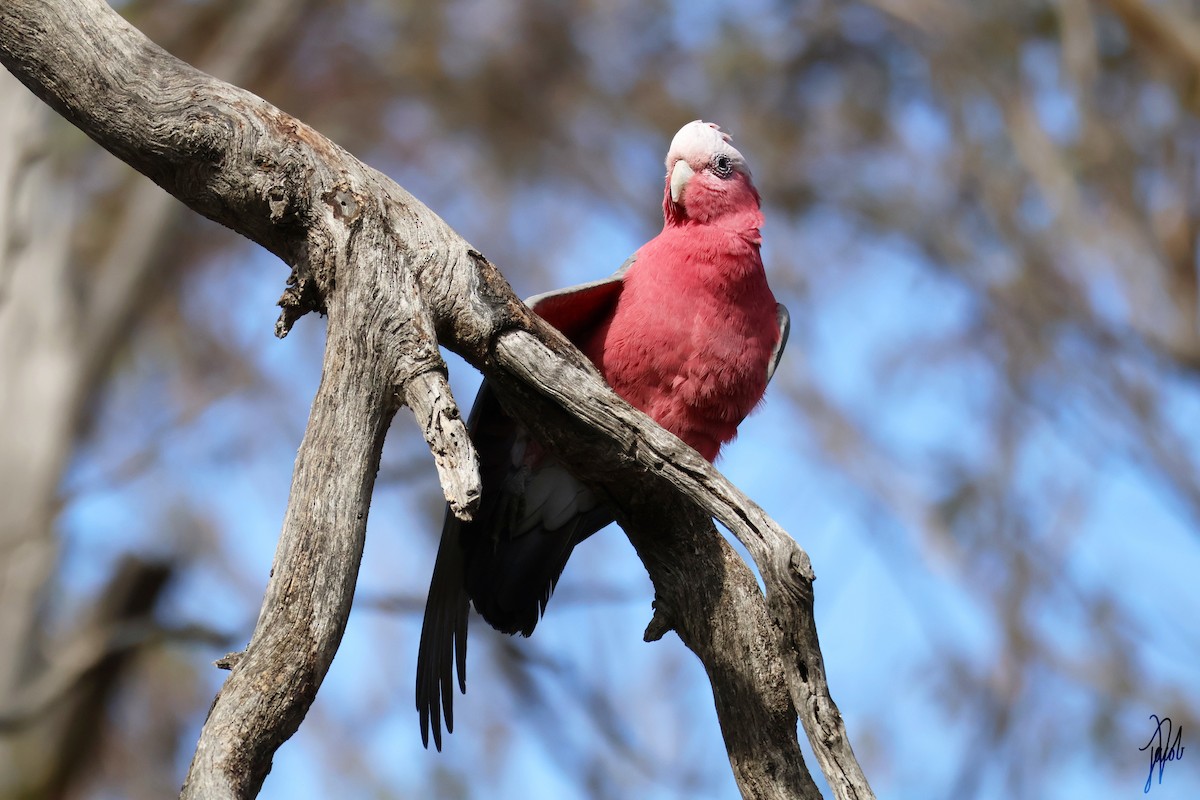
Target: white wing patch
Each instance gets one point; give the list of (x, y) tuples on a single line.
[(552, 498)]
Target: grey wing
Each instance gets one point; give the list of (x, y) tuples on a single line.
[(619, 275), (443, 643), (785, 326), (576, 310)]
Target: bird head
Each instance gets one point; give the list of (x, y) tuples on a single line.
[(707, 178)]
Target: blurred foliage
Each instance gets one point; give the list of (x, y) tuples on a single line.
[(984, 220)]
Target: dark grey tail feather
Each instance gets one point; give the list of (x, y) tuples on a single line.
[(510, 583), (443, 645)]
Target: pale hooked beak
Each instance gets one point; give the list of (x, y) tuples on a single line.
[(681, 173)]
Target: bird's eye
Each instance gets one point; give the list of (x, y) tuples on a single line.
[(722, 166)]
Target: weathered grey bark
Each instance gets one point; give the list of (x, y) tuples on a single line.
[(395, 280)]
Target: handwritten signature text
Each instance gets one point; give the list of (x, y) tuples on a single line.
[(1159, 756)]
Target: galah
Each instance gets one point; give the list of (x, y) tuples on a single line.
[(687, 331)]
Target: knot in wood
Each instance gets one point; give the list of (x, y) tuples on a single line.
[(277, 202), (343, 203)]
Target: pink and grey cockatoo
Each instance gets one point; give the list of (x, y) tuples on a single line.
[(686, 331)]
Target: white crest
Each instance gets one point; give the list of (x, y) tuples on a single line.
[(697, 143)]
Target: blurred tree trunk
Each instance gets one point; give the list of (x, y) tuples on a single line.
[(54, 340), (63, 318), (39, 398)]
